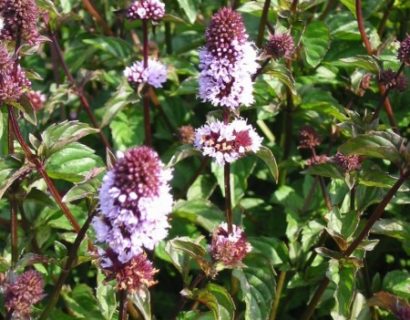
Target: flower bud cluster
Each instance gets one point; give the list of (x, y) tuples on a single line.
[(146, 10), (404, 51), (19, 16), (13, 80), (155, 74), (280, 45)]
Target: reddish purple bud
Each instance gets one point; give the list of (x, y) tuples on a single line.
[(348, 162), (280, 45), (131, 276), (392, 81), (314, 160), (186, 134), (37, 99), (404, 51), (229, 248), (146, 10), (308, 138), (22, 293)]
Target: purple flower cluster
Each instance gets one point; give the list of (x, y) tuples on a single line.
[(13, 80), (280, 45), (155, 74), (135, 201), (146, 10), (348, 162), (227, 62), (229, 248), (404, 51), (227, 142), (22, 293), (19, 16), (37, 99), (393, 81), (308, 138)]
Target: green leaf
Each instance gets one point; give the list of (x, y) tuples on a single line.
[(189, 8), (257, 283), (24, 105), (87, 188), (57, 136), (182, 152), (195, 250), (127, 129), (315, 42), (343, 274), (329, 170), (142, 300), (81, 303), (187, 87), (398, 282), (351, 5), (10, 171), (119, 100), (283, 74), (217, 299), (367, 63), (266, 155), (106, 297), (199, 211), (72, 163), (377, 144), (117, 48)]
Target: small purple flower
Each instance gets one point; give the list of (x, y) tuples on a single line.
[(229, 248), (135, 201), (155, 74), (186, 134), (13, 80), (348, 162), (393, 82), (404, 51), (22, 293), (227, 142), (280, 45), (146, 10), (308, 138), (318, 159), (19, 16), (131, 276), (227, 62)]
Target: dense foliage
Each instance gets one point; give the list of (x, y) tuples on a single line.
[(274, 180)]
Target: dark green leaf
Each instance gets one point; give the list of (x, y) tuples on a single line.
[(267, 156), (315, 42)]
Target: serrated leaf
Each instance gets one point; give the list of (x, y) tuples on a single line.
[(283, 74), (398, 282), (266, 155), (315, 42), (10, 171), (106, 297), (58, 135), (24, 105), (329, 170), (217, 299), (82, 303), (72, 163), (84, 189), (258, 285)]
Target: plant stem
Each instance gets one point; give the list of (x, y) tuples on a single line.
[(260, 70), (122, 314), (79, 91), (14, 228), (279, 288), (146, 99), (377, 213), (294, 6), (72, 255), (40, 168), (382, 24), (366, 42), (262, 23), (95, 14)]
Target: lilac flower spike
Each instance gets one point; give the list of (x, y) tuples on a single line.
[(135, 201), (155, 74), (227, 62), (146, 10), (227, 142)]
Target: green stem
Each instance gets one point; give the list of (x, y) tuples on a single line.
[(279, 288), (72, 255)]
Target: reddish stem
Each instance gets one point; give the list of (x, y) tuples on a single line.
[(40, 168), (95, 14), (79, 91), (368, 46)]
